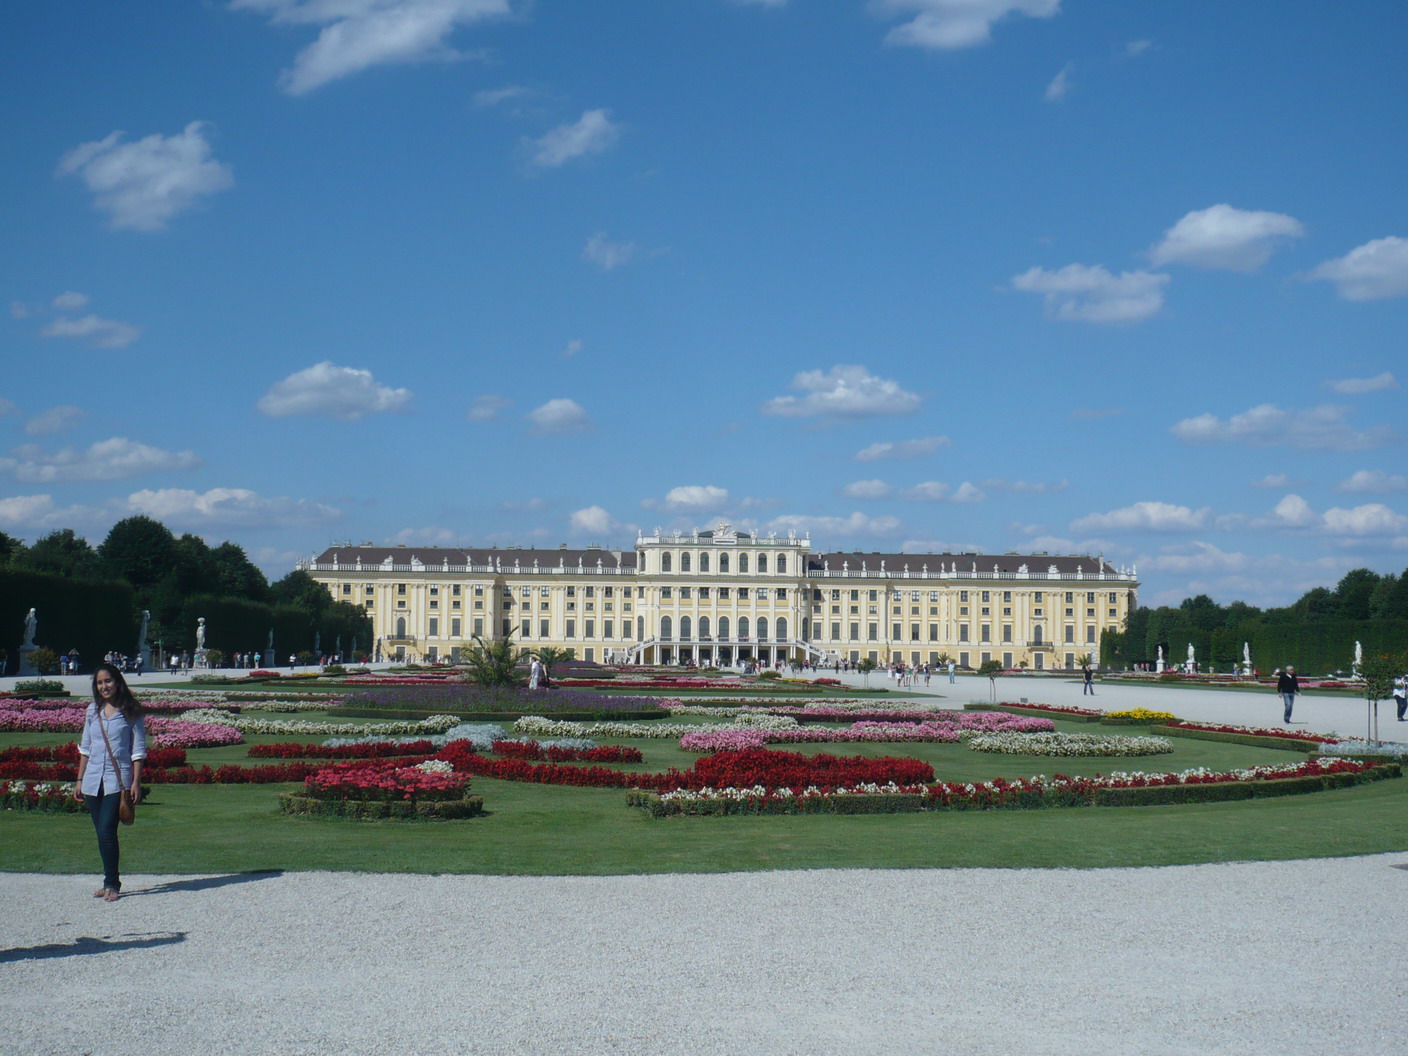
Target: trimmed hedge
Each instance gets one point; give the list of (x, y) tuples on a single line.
[(1235, 790), (897, 803), (1288, 744), (301, 805)]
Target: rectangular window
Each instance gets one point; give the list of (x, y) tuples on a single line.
[(571, 629), (527, 592), (571, 592), (1090, 597), (1037, 597), (835, 631), (640, 592), (455, 626), (609, 592), (762, 593), (742, 593), (571, 606), (434, 630), (685, 592), (607, 628), (874, 595), (370, 591), (400, 588), (591, 592), (455, 591), (703, 593), (1070, 633), (542, 628), (895, 631), (855, 595), (835, 595), (479, 626), (544, 606), (507, 628), (1070, 597), (347, 588), (962, 659), (523, 628), (479, 590), (1007, 633), (855, 632), (963, 632), (455, 605), (933, 632), (434, 592), (667, 592), (781, 593), (368, 603), (591, 629), (1007, 611), (874, 632), (914, 632), (723, 593), (986, 633), (434, 603), (1006, 596), (1114, 612), (1090, 636)]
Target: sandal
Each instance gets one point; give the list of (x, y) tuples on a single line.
[(111, 896)]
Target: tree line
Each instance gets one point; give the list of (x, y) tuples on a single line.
[(92, 598), (1316, 633)]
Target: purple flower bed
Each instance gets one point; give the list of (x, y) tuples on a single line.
[(450, 698)]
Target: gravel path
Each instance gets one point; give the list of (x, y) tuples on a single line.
[(1282, 957)]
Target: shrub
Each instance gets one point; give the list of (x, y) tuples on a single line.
[(38, 685), (45, 661), (336, 669), (369, 810), (770, 675)]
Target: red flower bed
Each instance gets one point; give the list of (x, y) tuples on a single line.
[(379, 784), (1255, 731), (1062, 709), (68, 753), (381, 750), (533, 751), (752, 767)]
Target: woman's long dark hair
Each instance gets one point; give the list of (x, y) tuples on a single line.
[(123, 698)]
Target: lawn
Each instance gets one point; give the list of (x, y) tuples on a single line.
[(544, 830)]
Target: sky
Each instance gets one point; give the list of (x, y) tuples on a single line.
[(1075, 276)]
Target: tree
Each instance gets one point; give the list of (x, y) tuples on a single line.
[(1378, 672), (10, 547), (1390, 598), (1353, 593), (140, 550), (61, 553), (493, 662), (301, 589), (237, 575), (551, 655), (196, 571), (991, 668), (865, 666)]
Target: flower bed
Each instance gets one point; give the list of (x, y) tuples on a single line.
[(538, 726), (1069, 744), (1137, 717), (1060, 711), (1120, 789), (555, 753), (431, 791), (1254, 736), (49, 796), (305, 727), (377, 750), (184, 733)]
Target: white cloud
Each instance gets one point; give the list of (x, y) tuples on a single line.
[(1136, 48), (55, 420), (327, 389), (1223, 237), (843, 392), (946, 24), (19, 310), (937, 491), (494, 96), (1316, 429), (1370, 272), (1060, 85), (360, 34), (559, 416), (691, 497), (96, 331), (1145, 517), (573, 347), (111, 459), (1291, 512), (917, 448), (1373, 482), (1371, 519), (596, 522), (229, 507), (867, 489), (1194, 558), (70, 301), (1027, 487), (1360, 386), (144, 184), (1082, 293), (486, 408), (835, 528), (591, 133), (606, 254)]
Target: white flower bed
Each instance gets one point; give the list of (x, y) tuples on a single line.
[(1393, 748), (300, 727), (1069, 744), (537, 726)]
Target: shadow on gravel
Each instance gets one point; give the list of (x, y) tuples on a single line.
[(83, 946), (204, 883)]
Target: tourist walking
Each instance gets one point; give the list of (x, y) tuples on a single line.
[(1288, 686), (110, 755), (1400, 697), (1089, 688)]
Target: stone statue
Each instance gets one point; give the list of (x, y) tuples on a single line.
[(1358, 658), (200, 634), (1247, 653), (1190, 653), (1159, 663), (31, 625)]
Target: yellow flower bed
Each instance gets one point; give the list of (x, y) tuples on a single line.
[(1143, 715)]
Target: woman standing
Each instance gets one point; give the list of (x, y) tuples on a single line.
[(109, 760)]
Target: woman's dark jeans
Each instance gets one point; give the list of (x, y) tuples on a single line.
[(103, 808)]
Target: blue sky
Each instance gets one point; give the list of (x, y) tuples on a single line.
[(1064, 275)]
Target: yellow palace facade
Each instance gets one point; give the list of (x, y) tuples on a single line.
[(721, 596)]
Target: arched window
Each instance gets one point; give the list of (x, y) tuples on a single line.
[(400, 626), (723, 627), (782, 563), (762, 628), (762, 562), (1036, 635), (703, 562), (743, 626), (703, 626), (782, 629), (806, 624), (665, 627), (723, 562), (685, 628), (684, 561), (742, 562), (664, 562)]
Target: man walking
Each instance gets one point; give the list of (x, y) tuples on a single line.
[(1089, 688), (1288, 686)]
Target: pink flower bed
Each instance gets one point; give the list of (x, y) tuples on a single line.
[(177, 733), (408, 783), (67, 719)]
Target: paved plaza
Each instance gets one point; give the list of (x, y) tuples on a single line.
[(1275, 957)]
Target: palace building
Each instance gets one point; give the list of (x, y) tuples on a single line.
[(724, 596)]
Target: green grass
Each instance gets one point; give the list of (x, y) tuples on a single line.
[(543, 830)]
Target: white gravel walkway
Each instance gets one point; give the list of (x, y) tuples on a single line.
[(1285, 957)]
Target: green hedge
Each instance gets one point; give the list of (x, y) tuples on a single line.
[(1234, 790), (372, 809), (899, 803), (94, 618), (1287, 744)]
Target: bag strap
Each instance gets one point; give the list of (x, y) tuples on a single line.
[(102, 726)]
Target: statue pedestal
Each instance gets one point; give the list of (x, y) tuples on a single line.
[(26, 662)]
